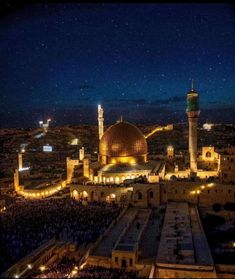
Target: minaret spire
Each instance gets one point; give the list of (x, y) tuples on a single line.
[(193, 114), (192, 85), (100, 121)]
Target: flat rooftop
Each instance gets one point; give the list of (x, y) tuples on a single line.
[(129, 241), (183, 240), (104, 249)]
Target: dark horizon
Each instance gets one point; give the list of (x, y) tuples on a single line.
[(88, 116)]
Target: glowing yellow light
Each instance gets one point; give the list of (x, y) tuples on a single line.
[(203, 187), (112, 196), (29, 266), (84, 194), (170, 148), (82, 266), (115, 147), (113, 161), (211, 184), (42, 268), (193, 192), (198, 192), (233, 244), (74, 272), (16, 276)]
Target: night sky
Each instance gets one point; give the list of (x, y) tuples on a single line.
[(61, 60)]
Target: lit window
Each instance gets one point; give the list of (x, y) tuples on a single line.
[(208, 154), (138, 146)]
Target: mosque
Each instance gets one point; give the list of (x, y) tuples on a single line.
[(123, 159), (123, 155), (123, 152), (159, 233)]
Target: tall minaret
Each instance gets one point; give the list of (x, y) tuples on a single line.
[(100, 121), (20, 158), (193, 114), (20, 161)]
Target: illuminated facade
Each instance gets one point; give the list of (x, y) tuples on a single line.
[(170, 152), (122, 156)]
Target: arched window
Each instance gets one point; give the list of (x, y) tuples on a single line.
[(151, 194), (83, 195), (208, 154), (75, 194)]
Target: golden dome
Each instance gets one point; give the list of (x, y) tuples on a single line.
[(123, 140)]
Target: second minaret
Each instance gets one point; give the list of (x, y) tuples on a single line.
[(193, 114)]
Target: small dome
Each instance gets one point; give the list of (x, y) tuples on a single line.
[(123, 140)]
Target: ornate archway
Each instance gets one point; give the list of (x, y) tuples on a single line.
[(83, 196), (75, 195)]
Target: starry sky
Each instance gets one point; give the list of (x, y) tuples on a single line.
[(61, 60)]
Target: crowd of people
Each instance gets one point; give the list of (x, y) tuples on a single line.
[(95, 272), (27, 225), (65, 269), (61, 269)]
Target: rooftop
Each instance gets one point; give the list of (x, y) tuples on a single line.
[(183, 240)]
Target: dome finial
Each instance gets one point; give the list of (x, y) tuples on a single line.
[(121, 119)]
